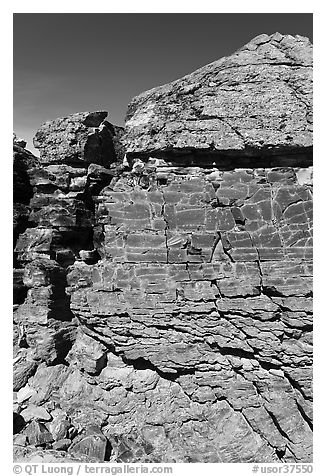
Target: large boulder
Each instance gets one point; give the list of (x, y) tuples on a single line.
[(81, 138), (258, 99)]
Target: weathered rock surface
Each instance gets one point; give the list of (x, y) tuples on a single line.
[(18, 141), (257, 100), (166, 311), (23, 161), (81, 138), (33, 412)]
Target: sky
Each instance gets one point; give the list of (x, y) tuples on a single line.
[(66, 63)]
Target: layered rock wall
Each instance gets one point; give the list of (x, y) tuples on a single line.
[(168, 316)]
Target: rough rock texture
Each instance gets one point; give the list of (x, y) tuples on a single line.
[(167, 315), (23, 160), (81, 138), (258, 99)]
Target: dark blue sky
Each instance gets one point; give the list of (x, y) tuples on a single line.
[(65, 63)]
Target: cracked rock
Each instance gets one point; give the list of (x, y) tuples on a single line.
[(81, 138), (257, 99), (163, 295)]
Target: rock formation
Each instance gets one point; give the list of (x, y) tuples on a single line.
[(163, 308), (256, 101)]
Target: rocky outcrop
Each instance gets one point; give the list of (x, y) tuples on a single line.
[(167, 314), (23, 161), (256, 101), (81, 138), (58, 189)]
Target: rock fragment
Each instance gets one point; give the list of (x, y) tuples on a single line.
[(37, 434)]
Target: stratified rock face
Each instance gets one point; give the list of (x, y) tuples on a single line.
[(23, 161), (204, 290), (57, 195), (168, 311), (258, 99)]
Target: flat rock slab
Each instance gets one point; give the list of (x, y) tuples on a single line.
[(92, 445), (259, 98), (33, 412)]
